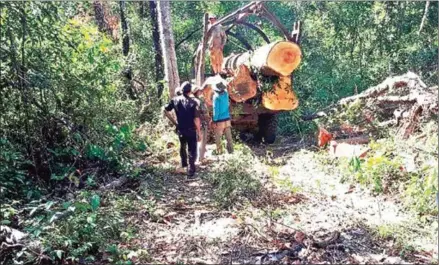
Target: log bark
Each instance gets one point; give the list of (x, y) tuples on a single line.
[(125, 36), (410, 80), (243, 86), (106, 23), (278, 58), (413, 123), (167, 44), (158, 53)]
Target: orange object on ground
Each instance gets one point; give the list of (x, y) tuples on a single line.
[(282, 97), (324, 137)]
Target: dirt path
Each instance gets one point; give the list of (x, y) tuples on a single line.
[(301, 205)]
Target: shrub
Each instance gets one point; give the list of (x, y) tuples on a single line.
[(233, 180)]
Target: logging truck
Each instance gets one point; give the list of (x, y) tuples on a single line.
[(259, 80)]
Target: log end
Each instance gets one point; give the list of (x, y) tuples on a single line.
[(282, 97), (284, 57)]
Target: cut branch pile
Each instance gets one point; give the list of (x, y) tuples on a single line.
[(403, 102)]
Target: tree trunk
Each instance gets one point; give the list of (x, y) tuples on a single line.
[(243, 86), (424, 17), (128, 72), (201, 55), (168, 46), (125, 35), (158, 57), (100, 17), (143, 9), (275, 59)]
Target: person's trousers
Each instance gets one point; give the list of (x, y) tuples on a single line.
[(188, 141), (202, 147), (221, 128), (216, 59)]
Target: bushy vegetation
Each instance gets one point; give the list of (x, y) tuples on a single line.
[(406, 167), (85, 228), (76, 112)]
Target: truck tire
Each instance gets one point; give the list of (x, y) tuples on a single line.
[(268, 127)]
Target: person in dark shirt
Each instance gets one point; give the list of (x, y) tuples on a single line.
[(188, 125)]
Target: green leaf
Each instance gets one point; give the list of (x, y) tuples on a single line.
[(59, 253), (5, 222), (95, 201)]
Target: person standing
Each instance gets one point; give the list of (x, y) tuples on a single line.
[(205, 120), (221, 116), (188, 125), (217, 40)]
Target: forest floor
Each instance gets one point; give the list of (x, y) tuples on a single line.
[(301, 214)]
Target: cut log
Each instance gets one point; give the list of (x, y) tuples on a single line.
[(234, 61), (278, 58), (243, 86), (282, 97)]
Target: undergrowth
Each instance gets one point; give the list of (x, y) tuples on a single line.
[(92, 226), (234, 179), (395, 166)]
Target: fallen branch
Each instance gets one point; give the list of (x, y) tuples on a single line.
[(115, 184)]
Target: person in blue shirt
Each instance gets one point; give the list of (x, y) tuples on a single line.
[(221, 117)]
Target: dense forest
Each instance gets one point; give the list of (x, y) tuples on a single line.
[(81, 90)]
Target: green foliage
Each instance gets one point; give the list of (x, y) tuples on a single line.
[(12, 173), (378, 171), (291, 123), (81, 229), (388, 168)]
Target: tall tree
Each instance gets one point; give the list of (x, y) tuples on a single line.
[(125, 36), (158, 58), (168, 48), (128, 72)]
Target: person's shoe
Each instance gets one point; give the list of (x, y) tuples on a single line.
[(181, 170), (191, 177)]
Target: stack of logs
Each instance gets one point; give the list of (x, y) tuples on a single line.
[(278, 59)]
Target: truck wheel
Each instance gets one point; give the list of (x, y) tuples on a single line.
[(268, 127)]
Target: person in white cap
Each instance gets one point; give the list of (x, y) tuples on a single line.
[(217, 40)]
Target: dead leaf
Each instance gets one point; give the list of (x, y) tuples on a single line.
[(299, 236)]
